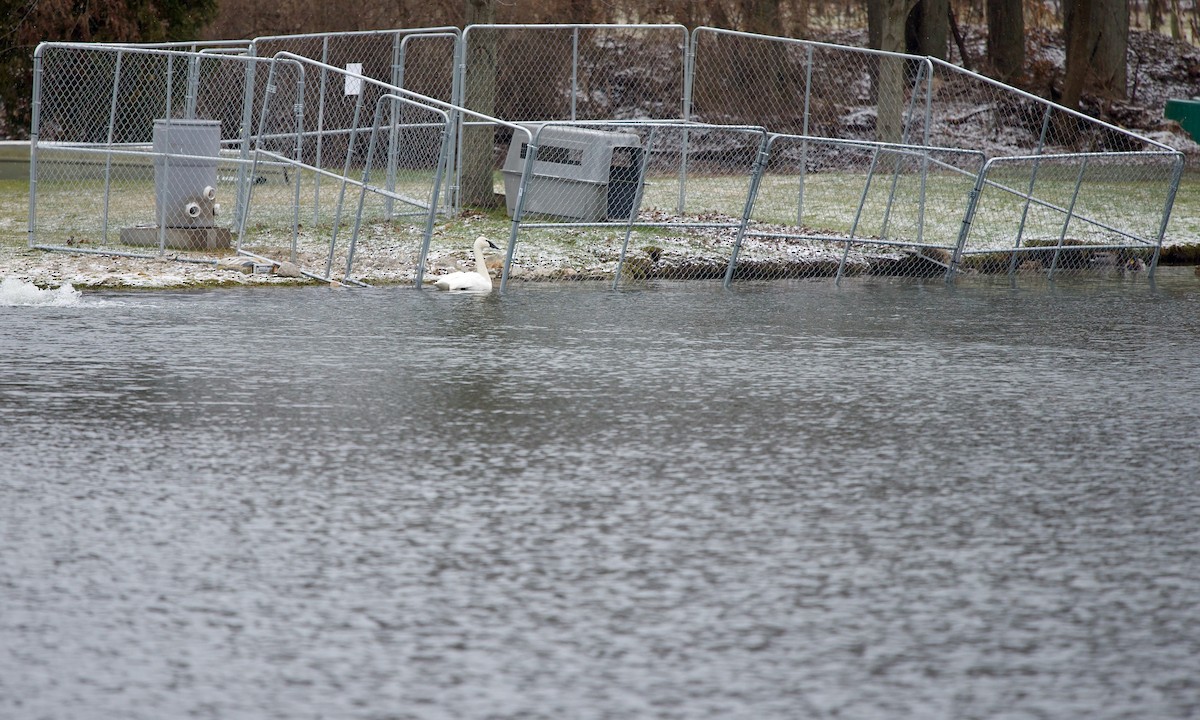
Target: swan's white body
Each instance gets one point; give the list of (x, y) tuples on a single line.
[(476, 280)]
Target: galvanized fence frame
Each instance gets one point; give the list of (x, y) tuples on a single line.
[(116, 126), (382, 55), (386, 105), (537, 184), (933, 102), (896, 167), (1099, 156)]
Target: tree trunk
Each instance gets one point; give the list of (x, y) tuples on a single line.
[(1098, 47), (761, 16), (1111, 49), (1006, 38), (875, 24), (479, 95), (890, 111), (1077, 22), (928, 28)]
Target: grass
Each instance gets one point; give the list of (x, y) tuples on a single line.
[(72, 209)]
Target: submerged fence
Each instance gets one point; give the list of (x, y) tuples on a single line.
[(618, 153)]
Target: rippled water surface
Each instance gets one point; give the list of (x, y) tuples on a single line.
[(882, 500)]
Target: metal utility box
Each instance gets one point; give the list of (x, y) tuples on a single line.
[(185, 187), (579, 173)]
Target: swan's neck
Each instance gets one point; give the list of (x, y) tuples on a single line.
[(480, 265)]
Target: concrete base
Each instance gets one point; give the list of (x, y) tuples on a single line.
[(215, 238)]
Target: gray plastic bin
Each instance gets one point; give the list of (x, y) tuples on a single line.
[(579, 173), (185, 188)]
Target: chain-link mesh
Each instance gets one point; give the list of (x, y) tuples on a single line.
[(607, 201), (576, 72), (382, 191), (160, 149), (841, 207), (109, 119), (1096, 195), (870, 162), (420, 60)]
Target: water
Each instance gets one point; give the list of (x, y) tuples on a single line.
[(883, 500)]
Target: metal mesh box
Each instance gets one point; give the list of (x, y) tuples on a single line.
[(579, 174)]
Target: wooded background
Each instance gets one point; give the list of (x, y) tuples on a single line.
[(1094, 32)]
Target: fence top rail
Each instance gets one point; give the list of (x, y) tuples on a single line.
[(1174, 155), (133, 49), (808, 43), (661, 122), (179, 44), (951, 67), (431, 103), (441, 29), (577, 26), (871, 144)]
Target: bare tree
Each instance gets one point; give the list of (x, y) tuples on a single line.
[(480, 96), (1097, 39), (890, 18), (1006, 37), (928, 28)]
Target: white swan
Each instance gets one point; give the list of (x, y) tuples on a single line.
[(477, 280)]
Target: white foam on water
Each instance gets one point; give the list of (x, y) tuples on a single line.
[(14, 291)]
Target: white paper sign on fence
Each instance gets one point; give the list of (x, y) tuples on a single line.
[(353, 78)]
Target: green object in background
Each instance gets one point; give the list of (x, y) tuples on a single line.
[(1187, 114)]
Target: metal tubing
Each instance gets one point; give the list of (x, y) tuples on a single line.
[(1067, 221), (519, 207), (34, 130), (637, 204), (166, 180), (574, 71), (857, 216), (362, 189), (112, 121), (443, 168), (968, 218), (320, 131), (243, 180), (398, 50), (193, 88), (337, 215), (1176, 176), (298, 156), (756, 172), (1037, 161), (266, 104), (808, 66), (689, 77)]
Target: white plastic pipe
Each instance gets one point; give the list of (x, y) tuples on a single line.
[(210, 192), (192, 209)]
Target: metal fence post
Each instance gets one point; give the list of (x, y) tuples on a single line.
[(756, 173), (112, 121)]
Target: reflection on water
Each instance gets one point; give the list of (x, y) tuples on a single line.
[(786, 500)]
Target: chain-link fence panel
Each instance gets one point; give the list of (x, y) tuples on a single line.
[(806, 88), (836, 208), (383, 190), (526, 73), (575, 72), (606, 202), (1084, 213), (838, 92), (135, 147), (419, 60), (1064, 192)]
